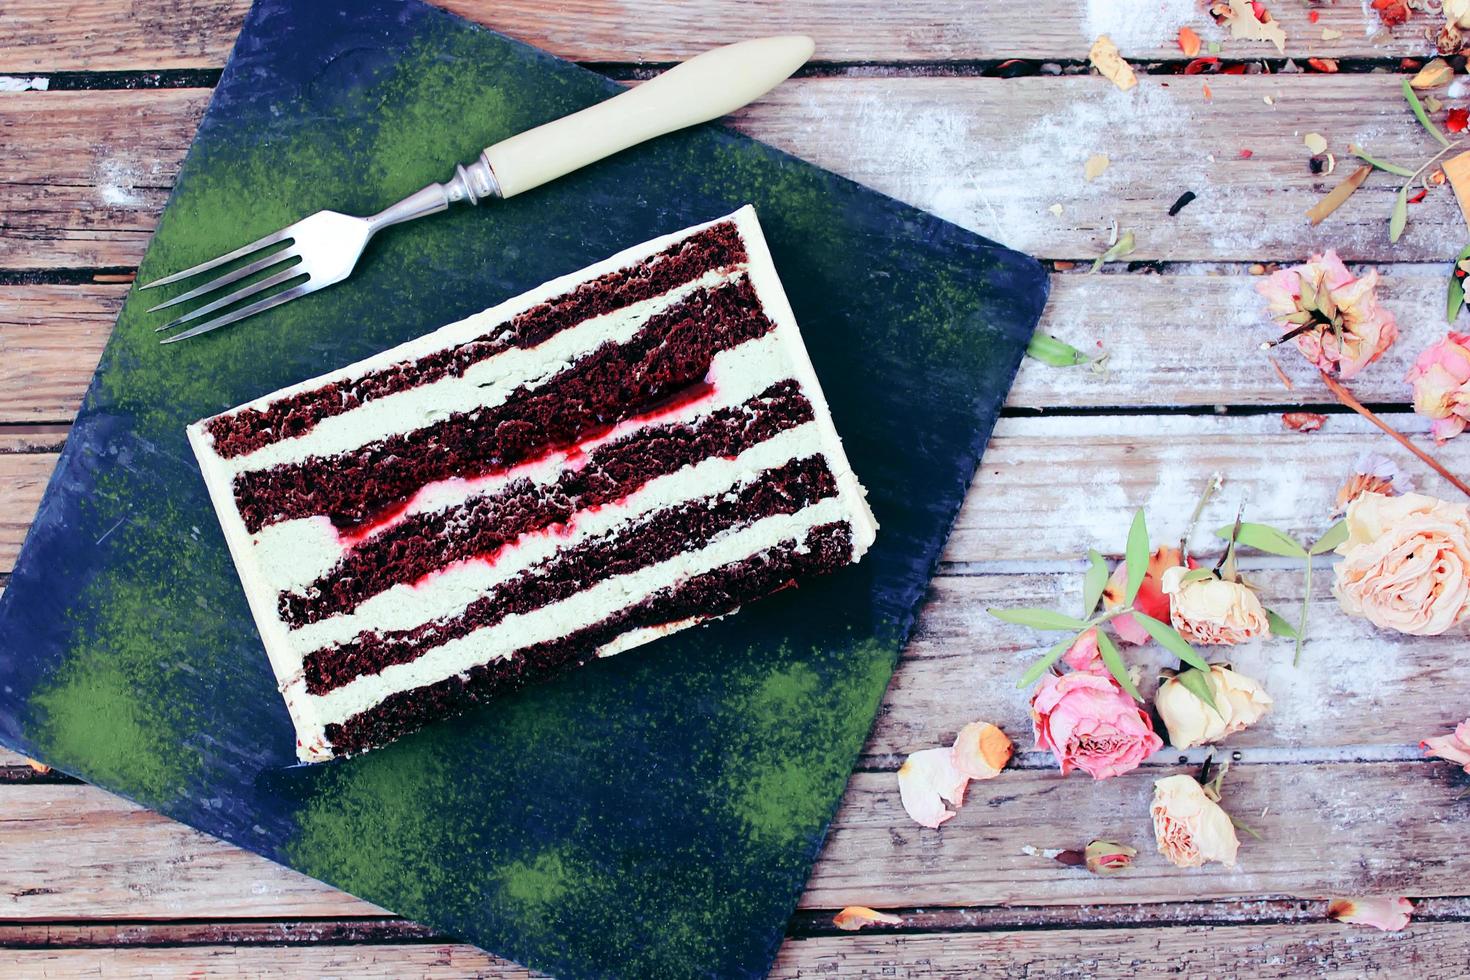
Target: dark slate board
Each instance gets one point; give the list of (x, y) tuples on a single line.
[(652, 815)]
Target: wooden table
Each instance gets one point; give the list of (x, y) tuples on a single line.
[(912, 99)]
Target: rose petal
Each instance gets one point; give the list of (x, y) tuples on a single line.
[(1380, 912), (925, 780), (1455, 746), (854, 917), (981, 750)]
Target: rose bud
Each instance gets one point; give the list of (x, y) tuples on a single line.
[(1190, 828), (1406, 563), (1104, 857), (1441, 380), (1239, 703), (1213, 611)]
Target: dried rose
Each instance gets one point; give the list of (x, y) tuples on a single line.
[(927, 779), (1333, 315), (1455, 746), (1441, 380), (1239, 703), (1105, 857), (1212, 611), (981, 750), (1406, 563), (1303, 421), (1388, 914), (854, 917), (1150, 600), (1088, 722), (1190, 828)]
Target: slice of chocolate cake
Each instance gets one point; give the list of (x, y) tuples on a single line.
[(624, 452)]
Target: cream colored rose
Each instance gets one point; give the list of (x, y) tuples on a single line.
[(1239, 703), (1213, 611), (1406, 563), (1457, 12), (1190, 827)]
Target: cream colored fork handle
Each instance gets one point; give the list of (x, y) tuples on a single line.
[(705, 87)]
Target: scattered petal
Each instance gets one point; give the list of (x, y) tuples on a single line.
[(1328, 34), (1327, 66), (1392, 12), (1457, 171), (981, 750), (1246, 154), (1303, 421), (1455, 746), (1315, 142), (854, 917), (1438, 72), (1095, 165), (1106, 59), (1457, 120), (1246, 24), (1056, 209), (1388, 914), (1372, 473), (40, 767), (1105, 857), (1189, 42), (925, 780)]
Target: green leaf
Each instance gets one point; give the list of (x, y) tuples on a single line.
[(1334, 536), (1095, 581), (1170, 640), (1034, 672), (1198, 575), (1400, 214), (1279, 625), (1418, 109), (1136, 556), (1124, 246), (1113, 660), (1264, 537), (1392, 168), (1456, 301), (1197, 682), (1038, 619), (1057, 353)]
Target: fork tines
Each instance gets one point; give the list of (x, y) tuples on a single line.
[(286, 254)]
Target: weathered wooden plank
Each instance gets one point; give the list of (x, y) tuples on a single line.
[(117, 34), (1169, 339), (429, 961), (50, 339), (1431, 951), (1331, 828), (89, 169), (1080, 478), (1428, 951)]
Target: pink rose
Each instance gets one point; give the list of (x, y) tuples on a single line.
[(1441, 380), (1087, 721), (1406, 563), (1334, 316), (1454, 746)]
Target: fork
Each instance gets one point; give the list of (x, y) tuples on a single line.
[(323, 248)]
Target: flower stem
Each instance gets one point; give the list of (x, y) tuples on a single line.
[(1347, 398), (1216, 482), (1301, 628)]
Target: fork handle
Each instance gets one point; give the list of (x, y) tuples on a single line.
[(705, 87)]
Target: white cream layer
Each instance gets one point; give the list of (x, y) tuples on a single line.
[(486, 384), (590, 606), (449, 591), (297, 552)]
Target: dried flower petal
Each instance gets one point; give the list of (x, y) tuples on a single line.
[(1315, 142), (925, 780), (1303, 421), (1189, 42), (1457, 171), (1380, 912), (1372, 473), (1455, 746), (854, 917), (1095, 165), (1106, 59), (981, 750), (1438, 72), (1247, 25), (1335, 197)]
